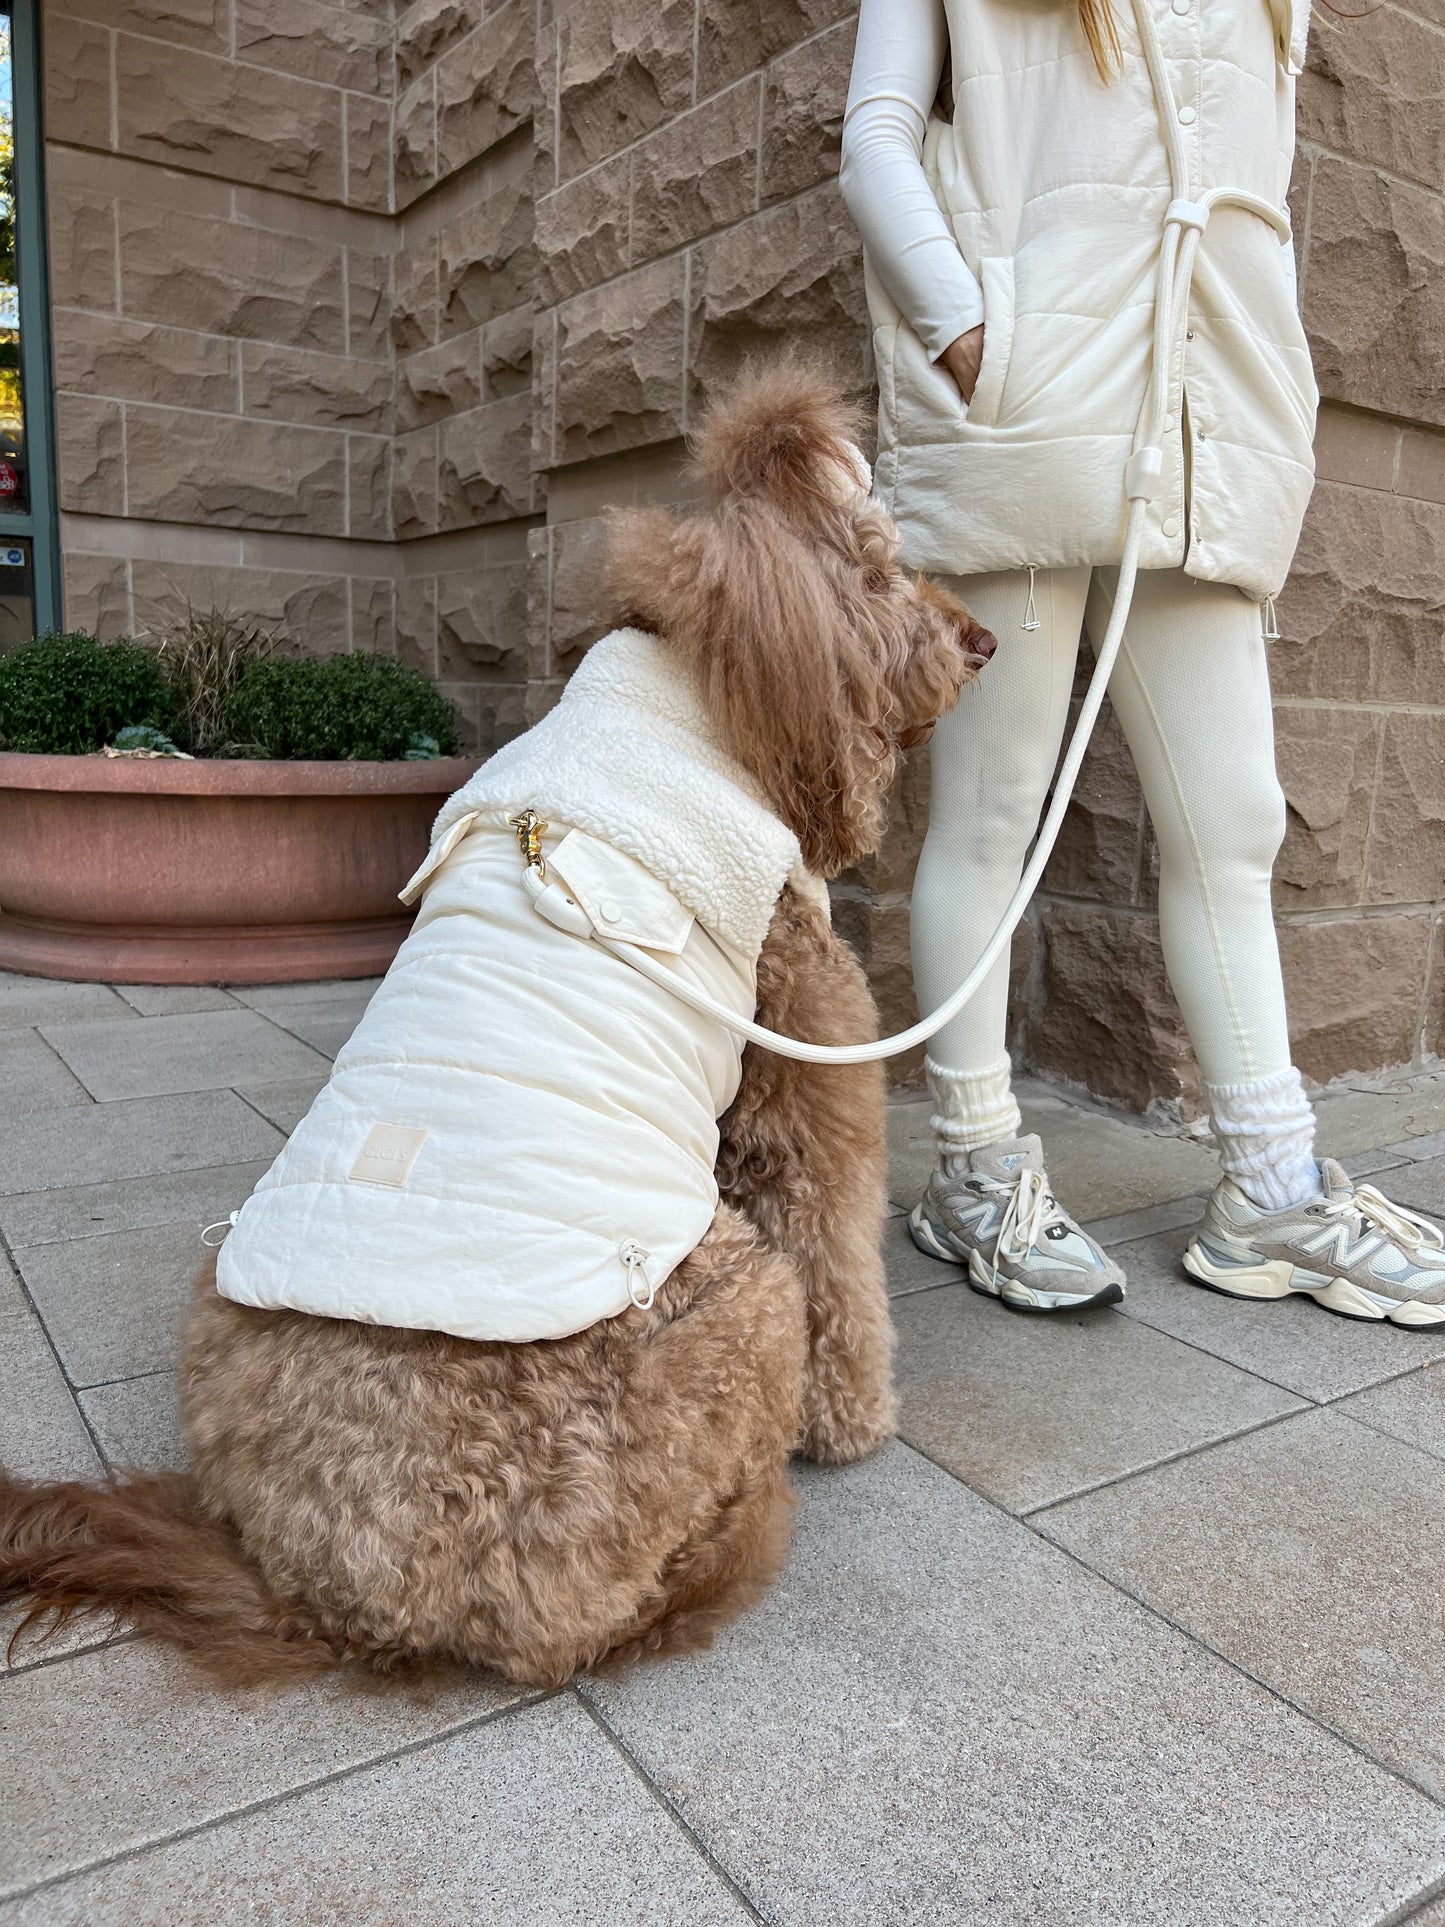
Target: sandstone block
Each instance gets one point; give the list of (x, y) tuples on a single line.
[(368, 151), (82, 251), (368, 488), (485, 471), (619, 364), (1434, 1039), (501, 710), (190, 23), (697, 175), (230, 279), (1108, 1018), (1355, 989), (793, 274), (368, 304), (330, 391), (90, 461), (414, 502), (1363, 616), (1407, 849), (222, 117), (415, 309), (427, 29), (1375, 291), (625, 67), (416, 623), (1326, 760), (482, 623), (142, 361), (579, 553), (507, 354), (340, 48), (308, 611), (414, 138), (1422, 465), (1098, 851), (485, 86), (234, 472), (582, 230), (1376, 93), (373, 615), (734, 36), (77, 82), (545, 330), (545, 155), (888, 961), (891, 870), (1359, 449), (487, 260), (439, 381), (463, 696), (803, 114), (97, 594)]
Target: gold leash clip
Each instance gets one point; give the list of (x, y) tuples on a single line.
[(530, 830)]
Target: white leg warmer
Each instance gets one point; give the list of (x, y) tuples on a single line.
[(972, 1108), (1266, 1133)]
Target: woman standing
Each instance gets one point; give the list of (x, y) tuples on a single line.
[(1013, 253)]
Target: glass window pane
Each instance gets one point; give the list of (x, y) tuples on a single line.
[(17, 592), (14, 488)]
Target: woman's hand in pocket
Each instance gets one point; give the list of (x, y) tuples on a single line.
[(963, 358)]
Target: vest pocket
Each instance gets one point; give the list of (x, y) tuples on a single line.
[(996, 273)]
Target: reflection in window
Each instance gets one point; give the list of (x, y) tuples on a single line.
[(16, 584)]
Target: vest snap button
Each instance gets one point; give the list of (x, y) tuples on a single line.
[(1187, 116), (1169, 526), (610, 911), (1180, 6)]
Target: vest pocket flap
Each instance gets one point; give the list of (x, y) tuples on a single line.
[(436, 856), (623, 899)]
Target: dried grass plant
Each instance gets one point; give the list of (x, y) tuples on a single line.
[(203, 655)]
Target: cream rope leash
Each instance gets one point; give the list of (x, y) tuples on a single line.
[(1184, 224)]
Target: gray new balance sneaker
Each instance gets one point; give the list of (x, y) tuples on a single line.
[(993, 1211), (1351, 1250)]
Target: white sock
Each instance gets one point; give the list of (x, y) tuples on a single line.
[(972, 1108), (1266, 1134)]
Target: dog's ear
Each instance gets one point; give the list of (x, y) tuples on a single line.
[(784, 435)]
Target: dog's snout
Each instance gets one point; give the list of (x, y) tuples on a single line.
[(982, 643)]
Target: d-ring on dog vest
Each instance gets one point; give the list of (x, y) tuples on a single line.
[(1184, 223)]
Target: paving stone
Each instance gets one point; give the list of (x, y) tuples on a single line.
[(1421, 1186), (1353, 1121), (1099, 1165), (402, 1841), (325, 1026), (910, 1269), (285, 1104), (1420, 1149), (102, 1143), (1310, 1554), (1291, 1341), (138, 1422), (1411, 1408), (1176, 1214), (934, 1717), (1432, 1914), (1026, 1410), (330, 990), (32, 1077), (87, 1210), (42, 1435), (39, 1000), (174, 1000), (162, 1055), (77, 1637), (162, 1754), (114, 1305)]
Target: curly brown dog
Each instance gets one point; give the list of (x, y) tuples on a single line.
[(391, 1495)]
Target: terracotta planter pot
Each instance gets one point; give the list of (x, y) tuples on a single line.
[(210, 872)]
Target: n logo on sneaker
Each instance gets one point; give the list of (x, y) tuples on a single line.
[(1335, 1239)]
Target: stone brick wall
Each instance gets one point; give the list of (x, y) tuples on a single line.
[(362, 319)]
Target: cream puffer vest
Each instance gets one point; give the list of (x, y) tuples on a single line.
[(1055, 186), (519, 1138)]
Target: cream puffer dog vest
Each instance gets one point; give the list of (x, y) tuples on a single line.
[(1055, 186), (519, 1138)]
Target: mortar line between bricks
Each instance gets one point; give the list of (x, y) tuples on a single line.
[(46, 1043), (7, 1251), (1412, 1908), (259, 1113), (216, 1821), (286, 1031), (126, 1378), (106, 1643), (660, 1799)]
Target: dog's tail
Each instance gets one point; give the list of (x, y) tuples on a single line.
[(140, 1550)]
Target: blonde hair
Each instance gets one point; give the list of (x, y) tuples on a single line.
[(1101, 30)]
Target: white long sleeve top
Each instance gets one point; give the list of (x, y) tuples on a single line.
[(897, 65)]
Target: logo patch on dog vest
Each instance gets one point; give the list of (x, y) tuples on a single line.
[(388, 1155)]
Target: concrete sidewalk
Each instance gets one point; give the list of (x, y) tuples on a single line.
[(1139, 1621)]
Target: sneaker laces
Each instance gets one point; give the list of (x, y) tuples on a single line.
[(1031, 1209), (1366, 1205)]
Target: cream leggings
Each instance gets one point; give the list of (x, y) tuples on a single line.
[(1191, 691)]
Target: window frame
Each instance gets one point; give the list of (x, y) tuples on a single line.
[(39, 525)]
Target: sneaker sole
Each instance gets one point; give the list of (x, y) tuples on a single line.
[(1275, 1278), (989, 1283)]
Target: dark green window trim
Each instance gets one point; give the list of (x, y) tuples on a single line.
[(40, 524)]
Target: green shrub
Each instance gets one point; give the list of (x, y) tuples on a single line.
[(340, 708), (203, 655), (68, 695)]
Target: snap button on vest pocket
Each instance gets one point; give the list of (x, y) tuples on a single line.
[(1170, 525), (1187, 116), (1181, 6), (610, 911)]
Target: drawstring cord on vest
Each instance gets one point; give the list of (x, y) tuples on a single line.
[(1031, 614), (1184, 224), (1269, 624)]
